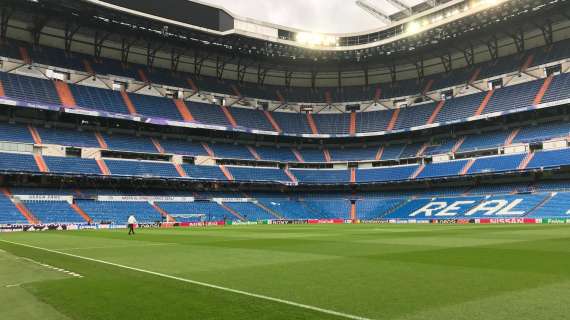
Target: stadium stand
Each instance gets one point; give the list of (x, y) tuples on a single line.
[(315, 158)]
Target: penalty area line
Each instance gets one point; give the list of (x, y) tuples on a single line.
[(199, 283)]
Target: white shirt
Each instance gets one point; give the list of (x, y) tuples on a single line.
[(132, 220)]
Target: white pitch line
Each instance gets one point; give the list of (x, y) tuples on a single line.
[(69, 273), (199, 283), (119, 247)]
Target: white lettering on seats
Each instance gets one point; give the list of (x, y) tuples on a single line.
[(506, 211), (429, 208), (453, 208), (489, 207)]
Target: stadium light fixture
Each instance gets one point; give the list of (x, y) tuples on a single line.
[(417, 26), (316, 40), (413, 27)]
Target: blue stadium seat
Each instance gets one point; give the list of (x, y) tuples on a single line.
[(29, 89), (72, 165), (321, 176), (53, 211), (258, 174), (98, 99), (385, 174), (142, 168), (496, 164), (442, 169), (119, 211)]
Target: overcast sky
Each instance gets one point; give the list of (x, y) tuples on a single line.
[(339, 16)]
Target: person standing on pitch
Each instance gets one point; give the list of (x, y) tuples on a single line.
[(132, 221)]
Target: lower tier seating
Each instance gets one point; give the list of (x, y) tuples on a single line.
[(488, 202)]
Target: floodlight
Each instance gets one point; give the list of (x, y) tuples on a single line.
[(315, 39), (413, 27)]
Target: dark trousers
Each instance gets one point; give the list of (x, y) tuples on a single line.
[(131, 228)]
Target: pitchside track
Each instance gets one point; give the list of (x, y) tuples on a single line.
[(289, 272)]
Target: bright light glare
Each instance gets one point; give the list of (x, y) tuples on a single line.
[(314, 39), (414, 27), (417, 26)]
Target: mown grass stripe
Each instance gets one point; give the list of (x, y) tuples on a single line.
[(199, 283)]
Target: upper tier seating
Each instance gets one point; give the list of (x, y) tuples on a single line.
[(208, 113), (123, 142), (496, 164), (412, 150), (251, 119), (276, 154), (258, 174), (292, 122), (332, 123), (459, 108), (99, 99), (543, 132), (558, 89), (15, 133), (321, 176), (67, 137), (72, 165), (392, 152), (312, 155), (485, 141), (442, 169), (373, 121), (414, 116), (155, 106), (113, 67), (142, 168), (204, 172), (69, 165), (187, 148), (57, 57), (29, 89), (231, 151), (454, 110), (385, 174), (513, 97), (441, 147), (546, 159), (17, 162), (353, 154)]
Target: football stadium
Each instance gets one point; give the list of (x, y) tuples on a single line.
[(176, 159)]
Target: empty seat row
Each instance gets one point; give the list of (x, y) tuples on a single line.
[(453, 110)]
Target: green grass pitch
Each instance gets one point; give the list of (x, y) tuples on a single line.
[(289, 272)]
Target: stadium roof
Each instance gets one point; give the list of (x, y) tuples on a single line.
[(331, 16), (207, 35)]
